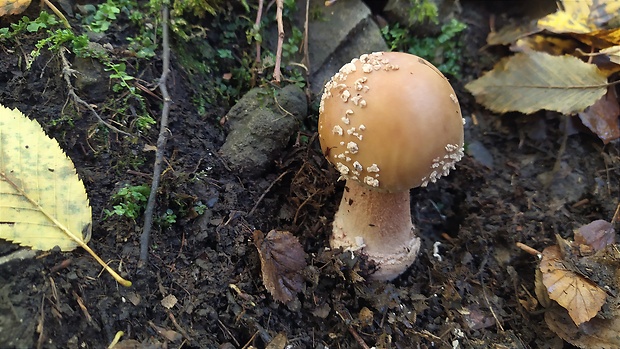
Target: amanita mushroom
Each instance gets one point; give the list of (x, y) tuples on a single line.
[(389, 122)]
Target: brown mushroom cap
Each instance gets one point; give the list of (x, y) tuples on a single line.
[(391, 121)]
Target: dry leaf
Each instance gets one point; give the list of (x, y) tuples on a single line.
[(581, 297), (278, 342), (530, 82), (602, 117), (13, 7), (44, 203), (597, 333), (543, 43), (169, 301), (282, 260), (600, 39), (511, 33), (597, 234), (170, 335), (583, 16)]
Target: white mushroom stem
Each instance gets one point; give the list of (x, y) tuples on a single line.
[(380, 225)]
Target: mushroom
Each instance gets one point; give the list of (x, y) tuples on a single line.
[(388, 122)]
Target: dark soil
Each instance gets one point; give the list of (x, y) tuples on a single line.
[(475, 290)]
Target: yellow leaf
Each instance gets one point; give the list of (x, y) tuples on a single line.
[(42, 196), (13, 7), (582, 16), (600, 38), (528, 82), (43, 203)]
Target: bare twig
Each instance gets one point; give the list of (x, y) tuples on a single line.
[(161, 140), (259, 14), (306, 52), (265, 193), (277, 75), (66, 73), (529, 249)]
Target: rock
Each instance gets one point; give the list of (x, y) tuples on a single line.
[(261, 127), (91, 82), (338, 34)]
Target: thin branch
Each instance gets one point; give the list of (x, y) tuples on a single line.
[(161, 141), (305, 48), (277, 75), (259, 14), (66, 73)]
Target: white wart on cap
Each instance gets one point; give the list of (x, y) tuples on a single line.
[(391, 121)]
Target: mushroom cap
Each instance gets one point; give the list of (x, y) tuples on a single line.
[(391, 121)]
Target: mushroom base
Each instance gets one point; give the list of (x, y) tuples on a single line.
[(379, 224)]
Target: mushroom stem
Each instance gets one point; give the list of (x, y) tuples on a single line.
[(378, 223)]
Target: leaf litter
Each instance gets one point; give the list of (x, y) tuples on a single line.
[(581, 277), (565, 62)]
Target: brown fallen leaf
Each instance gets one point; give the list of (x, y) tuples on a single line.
[(13, 7), (597, 333), (282, 260), (602, 117), (580, 296)]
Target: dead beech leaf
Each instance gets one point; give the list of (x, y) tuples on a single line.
[(282, 259), (602, 117), (528, 82), (581, 297), (13, 7)]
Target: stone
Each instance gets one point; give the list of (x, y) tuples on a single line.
[(339, 33), (261, 126)]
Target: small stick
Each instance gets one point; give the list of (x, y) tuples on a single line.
[(265, 193), (161, 141), (616, 218), (66, 73), (357, 337), (259, 14), (306, 51), (276, 71), (528, 249)]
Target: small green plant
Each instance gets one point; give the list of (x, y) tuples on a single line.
[(444, 51), (291, 46), (200, 208), (167, 219), (102, 16), (422, 10), (130, 201)]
